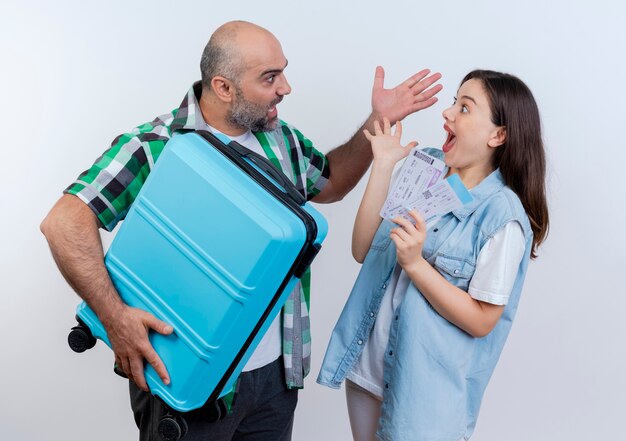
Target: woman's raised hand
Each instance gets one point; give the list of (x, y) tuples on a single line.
[(386, 145)]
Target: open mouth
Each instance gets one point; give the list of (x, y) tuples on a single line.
[(272, 111), (450, 140)]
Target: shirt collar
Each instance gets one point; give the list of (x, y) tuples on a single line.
[(488, 186), (189, 116)]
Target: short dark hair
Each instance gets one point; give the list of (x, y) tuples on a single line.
[(220, 57)]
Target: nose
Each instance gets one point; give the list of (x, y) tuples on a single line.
[(448, 114), (284, 88)]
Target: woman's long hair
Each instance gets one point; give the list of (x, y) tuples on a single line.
[(521, 159)]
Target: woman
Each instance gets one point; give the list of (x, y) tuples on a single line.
[(430, 311)]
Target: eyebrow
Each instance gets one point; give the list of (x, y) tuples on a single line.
[(265, 72), (469, 98)]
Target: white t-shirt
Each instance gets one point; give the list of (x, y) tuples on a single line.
[(270, 347), (496, 269)]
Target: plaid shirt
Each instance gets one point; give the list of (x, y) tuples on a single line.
[(112, 183)]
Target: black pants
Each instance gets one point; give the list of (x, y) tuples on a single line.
[(263, 411)]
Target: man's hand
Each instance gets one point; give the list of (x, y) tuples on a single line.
[(128, 334), (412, 95), (71, 229), (349, 161)]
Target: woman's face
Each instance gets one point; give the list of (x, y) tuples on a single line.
[(472, 137)]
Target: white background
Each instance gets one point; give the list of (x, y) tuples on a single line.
[(75, 74)]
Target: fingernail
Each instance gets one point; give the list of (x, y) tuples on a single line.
[(168, 329)]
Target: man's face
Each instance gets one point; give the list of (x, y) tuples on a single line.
[(260, 87), (253, 116)]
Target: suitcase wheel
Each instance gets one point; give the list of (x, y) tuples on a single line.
[(80, 338), (172, 427)]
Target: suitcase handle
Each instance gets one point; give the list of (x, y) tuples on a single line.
[(266, 166), (262, 163)]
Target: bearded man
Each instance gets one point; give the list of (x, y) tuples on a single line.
[(243, 81)]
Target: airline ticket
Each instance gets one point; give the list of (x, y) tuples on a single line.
[(420, 186)]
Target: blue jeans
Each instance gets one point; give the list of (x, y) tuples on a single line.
[(263, 411)]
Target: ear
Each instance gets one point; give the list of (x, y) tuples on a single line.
[(498, 137), (223, 88)]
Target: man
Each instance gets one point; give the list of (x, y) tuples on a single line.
[(243, 80)]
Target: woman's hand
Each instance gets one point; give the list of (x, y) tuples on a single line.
[(409, 240), (387, 150), (386, 146)]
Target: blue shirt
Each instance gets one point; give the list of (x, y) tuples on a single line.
[(435, 374)]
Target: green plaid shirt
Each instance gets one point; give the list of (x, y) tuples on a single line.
[(112, 183)]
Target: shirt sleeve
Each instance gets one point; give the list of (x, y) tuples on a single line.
[(497, 265), (317, 171), (112, 183)]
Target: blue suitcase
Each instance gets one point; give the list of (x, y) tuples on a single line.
[(213, 245)]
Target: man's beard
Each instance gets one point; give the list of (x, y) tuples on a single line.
[(251, 116)]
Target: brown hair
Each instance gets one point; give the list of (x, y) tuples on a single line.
[(521, 158)]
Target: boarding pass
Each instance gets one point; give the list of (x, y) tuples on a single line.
[(420, 186)]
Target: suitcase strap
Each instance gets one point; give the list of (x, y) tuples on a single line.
[(263, 164)]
